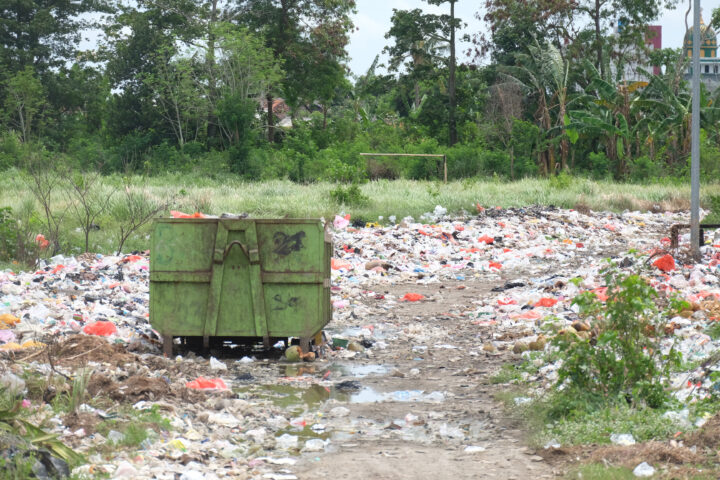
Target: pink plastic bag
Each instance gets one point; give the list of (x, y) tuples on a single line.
[(341, 222)]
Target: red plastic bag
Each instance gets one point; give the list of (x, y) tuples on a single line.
[(665, 263), (486, 239), (103, 329), (546, 302), (42, 241), (203, 383), (495, 265), (413, 297), (176, 214), (600, 293)]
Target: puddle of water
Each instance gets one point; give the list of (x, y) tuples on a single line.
[(304, 434), (336, 369), (367, 395), (359, 371), (289, 397)]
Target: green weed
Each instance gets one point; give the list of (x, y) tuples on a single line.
[(349, 196), (508, 373), (596, 427), (598, 471), (624, 363)]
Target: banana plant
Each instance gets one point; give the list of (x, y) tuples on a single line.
[(12, 423), (608, 111), (543, 74)]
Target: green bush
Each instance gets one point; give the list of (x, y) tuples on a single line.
[(624, 363), (348, 196), (8, 234), (642, 169)]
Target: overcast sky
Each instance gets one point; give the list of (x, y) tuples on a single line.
[(373, 21)]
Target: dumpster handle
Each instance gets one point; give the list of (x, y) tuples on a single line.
[(239, 244)]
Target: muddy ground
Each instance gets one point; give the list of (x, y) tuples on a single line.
[(462, 373)]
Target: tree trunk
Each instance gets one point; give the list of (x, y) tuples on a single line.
[(211, 127), (270, 120), (598, 40), (512, 163), (451, 81)]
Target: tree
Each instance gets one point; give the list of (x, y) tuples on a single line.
[(245, 71), (41, 34), (503, 109), (420, 43), (560, 22), (543, 73), (178, 95), (308, 36), (25, 97), (513, 22)]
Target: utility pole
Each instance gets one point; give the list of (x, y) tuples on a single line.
[(695, 140)]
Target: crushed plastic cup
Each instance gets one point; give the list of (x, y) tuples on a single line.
[(202, 383), (101, 328)]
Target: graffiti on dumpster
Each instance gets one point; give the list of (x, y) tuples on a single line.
[(281, 304), (286, 244)]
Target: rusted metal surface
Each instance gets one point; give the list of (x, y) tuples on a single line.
[(675, 233)]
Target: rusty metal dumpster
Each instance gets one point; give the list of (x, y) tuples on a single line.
[(239, 279)]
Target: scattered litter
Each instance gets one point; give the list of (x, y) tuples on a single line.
[(624, 439), (644, 470)]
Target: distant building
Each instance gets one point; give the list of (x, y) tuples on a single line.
[(635, 60), (709, 61)]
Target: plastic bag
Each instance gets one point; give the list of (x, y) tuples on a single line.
[(103, 329), (7, 320), (207, 384), (666, 263), (341, 222), (546, 302), (413, 297), (176, 214)]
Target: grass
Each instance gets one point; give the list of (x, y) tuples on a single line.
[(135, 425), (277, 198), (598, 471), (596, 427)]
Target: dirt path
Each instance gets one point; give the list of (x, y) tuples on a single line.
[(436, 349)]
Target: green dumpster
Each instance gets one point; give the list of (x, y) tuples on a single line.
[(239, 279)]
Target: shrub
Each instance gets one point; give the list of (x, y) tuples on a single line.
[(624, 362), (349, 196), (643, 169)]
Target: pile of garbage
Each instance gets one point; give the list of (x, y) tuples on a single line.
[(242, 418)]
